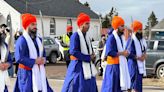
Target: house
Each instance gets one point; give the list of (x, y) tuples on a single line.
[(57, 14)]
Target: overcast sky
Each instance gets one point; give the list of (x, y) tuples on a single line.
[(138, 9)]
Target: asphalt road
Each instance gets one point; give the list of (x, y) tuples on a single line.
[(56, 74)]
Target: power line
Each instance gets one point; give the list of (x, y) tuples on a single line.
[(35, 2)]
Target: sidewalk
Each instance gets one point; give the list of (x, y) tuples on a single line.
[(56, 85)]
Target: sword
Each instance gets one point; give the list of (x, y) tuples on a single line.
[(41, 16), (131, 35)]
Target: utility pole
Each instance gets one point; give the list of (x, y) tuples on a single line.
[(26, 6), (149, 32)]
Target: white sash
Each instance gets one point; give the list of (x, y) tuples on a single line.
[(103, 64), (38, 74), (141, 64), (87, 69), (4, 76), (124, 72)]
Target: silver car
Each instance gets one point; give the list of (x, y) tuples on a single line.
[(52, 50)]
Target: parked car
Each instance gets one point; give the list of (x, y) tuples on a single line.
[(155, 58), (154, 61), (52, 49), (98, 58), (61, 49)]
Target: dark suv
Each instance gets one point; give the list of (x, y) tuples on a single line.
[(155, 58)]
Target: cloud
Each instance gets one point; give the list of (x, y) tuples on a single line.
[(138, 9)]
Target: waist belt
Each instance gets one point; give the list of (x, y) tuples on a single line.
[(73, 58), (112, 60), (24, 67)]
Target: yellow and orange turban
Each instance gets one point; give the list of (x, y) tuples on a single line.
[(117, 21), (82, 18), (69, 28), (27, 19), (136, 25)]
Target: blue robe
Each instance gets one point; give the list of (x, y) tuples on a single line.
[(9, 60), (136, 78), (110, 31), (74, 81), (24, 77), (111, 81)]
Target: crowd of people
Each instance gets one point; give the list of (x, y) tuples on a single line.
[(125, 54)]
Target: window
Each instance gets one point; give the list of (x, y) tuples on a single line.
[(156, 45), (151, 45), (69, 22), (47, 42), (160, 45), (52, 27), (52, 42)]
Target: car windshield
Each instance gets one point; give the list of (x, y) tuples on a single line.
[(48, 41)]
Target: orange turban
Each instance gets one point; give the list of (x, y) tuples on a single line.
[(27, 19), (69, 28), (136, 25), (82, 18), (117, 21)]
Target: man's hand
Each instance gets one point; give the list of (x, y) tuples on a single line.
[(124, 53), (4, 66), (93, 57), (40, 61), (141, 58), (144, 55), (43, 61)]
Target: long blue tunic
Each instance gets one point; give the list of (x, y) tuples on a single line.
[(136, 78), (111, 81), (9, 60), (74, 81), (24, 77)]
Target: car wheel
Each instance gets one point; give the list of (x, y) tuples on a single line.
[(160, 71), (53, 57), (60, 58), (99, 68)]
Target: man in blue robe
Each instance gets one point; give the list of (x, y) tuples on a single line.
[(24, 82), (4, 65), (111, 81), (136, 76), (76, 80)]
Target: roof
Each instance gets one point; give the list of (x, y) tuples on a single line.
[(59, 8), (160, 25)]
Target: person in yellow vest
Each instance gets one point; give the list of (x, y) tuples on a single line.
[(66, 43)]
